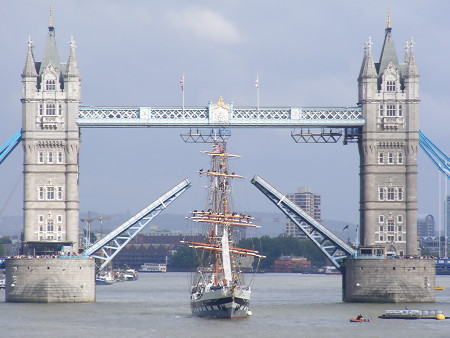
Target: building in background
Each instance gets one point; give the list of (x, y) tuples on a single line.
[(425, 226), (310, 203)]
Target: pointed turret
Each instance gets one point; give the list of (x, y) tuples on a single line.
[(30, 66), (368, 77), (411, 67), (72, 65), (368, 67), (51, 55)]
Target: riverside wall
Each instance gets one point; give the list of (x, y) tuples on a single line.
[(388, 280), (50, 280)]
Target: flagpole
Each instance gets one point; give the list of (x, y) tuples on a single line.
[(257, 91), (182, 89)]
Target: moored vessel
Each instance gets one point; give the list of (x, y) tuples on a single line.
[(218, 289), (153, 267)]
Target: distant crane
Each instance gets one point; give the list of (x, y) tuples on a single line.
[(88, 221)]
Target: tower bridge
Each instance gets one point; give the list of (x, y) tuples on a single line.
[(385, 124)]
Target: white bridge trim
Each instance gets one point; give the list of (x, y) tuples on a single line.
[(220, 116)]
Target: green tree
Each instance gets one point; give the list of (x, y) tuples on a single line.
[(184, 259), (273, 248)]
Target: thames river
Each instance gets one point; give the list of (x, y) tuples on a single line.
[(157, 305)]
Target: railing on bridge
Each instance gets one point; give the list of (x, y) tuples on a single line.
[(220, 115), (332, 246)]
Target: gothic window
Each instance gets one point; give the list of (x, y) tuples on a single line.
[(60, 110), (390, 238), (41, 228), (381, 219), (381, 110), (390, 226), (50, 157), (399, 228), (380, 158), (390, 110), (400, 158), (41, 109), (50, 193), (59, 193), (390, 193), (390, 86), (390, 158), (50, 225), (400, 110), (381, 194), (399, 218), (399, 237), (40, 157), (59, 219), (60, 157), (381, 228), (50, 109), (400, 194), (50, 85), (41, 219), (381, 238), (41, 193)]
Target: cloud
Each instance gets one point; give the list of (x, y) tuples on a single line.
[(205, 24)]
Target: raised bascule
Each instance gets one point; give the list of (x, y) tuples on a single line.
[(385, 125)]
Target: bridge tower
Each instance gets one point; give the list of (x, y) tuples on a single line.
[(389, 97), (51, 141)]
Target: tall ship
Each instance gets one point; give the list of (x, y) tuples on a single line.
[(218, 289)]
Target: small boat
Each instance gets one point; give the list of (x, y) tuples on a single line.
[(130, 274), (104, 278), (153, 267), (359, 320), (439, 288), (413, 314)]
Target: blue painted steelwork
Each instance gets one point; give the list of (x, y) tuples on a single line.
[(440, 160), (9, 146), (109, 246), (332, 246), (224, 116)]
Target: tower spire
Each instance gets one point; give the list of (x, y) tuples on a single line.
[(72, 66), (388, 26), (50, 25), (30, 67)]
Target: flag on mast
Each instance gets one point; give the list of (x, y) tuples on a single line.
[(257, 91), (182, 82)]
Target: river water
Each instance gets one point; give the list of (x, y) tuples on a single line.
[(157, 305)]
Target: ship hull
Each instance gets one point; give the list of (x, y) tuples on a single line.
[(215, 304)]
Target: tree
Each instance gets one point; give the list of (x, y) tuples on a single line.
[(184, 259), (273, 248)]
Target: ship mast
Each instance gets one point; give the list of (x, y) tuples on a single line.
[(219, 218)]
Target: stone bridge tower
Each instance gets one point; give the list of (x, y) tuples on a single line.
[(389, 97), (51, 141)]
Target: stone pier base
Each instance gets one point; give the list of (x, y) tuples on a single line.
[(388, 280), (50, 280)]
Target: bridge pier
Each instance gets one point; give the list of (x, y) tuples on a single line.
[(50, 280), (388, 280)]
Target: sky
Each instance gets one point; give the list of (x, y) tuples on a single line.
[(306, 53)]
